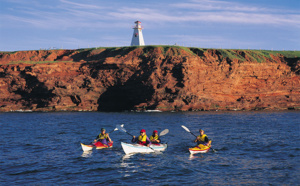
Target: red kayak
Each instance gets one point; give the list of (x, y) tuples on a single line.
[(100, 145), (97, 145)]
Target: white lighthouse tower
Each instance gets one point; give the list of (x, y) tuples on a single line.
[(137, 38)]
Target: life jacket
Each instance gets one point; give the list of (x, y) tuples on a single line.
[(102, 136), (201, 146), (154, 137), (202, 138), (142, 140)]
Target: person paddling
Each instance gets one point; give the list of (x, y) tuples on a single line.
[(103, 137), (142, 139), (202, 139), (154, 138)]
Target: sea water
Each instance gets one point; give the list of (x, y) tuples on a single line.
[(250, 148)]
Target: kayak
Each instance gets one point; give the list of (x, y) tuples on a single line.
[(86, 147), (137, 148), (97, 145), (201, 149)]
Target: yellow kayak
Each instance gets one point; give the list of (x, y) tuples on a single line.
[(199, 149)]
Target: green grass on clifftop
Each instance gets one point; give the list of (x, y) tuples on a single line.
[(168, 50), (254, 55)]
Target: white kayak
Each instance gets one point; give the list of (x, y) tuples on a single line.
[(137, 148), (86, 147)]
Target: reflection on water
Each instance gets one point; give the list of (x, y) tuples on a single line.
[(86, 154), (127, 156), (198, 156), (139, 162), (127, 167)]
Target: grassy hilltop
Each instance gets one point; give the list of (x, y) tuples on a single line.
[(116, 52)]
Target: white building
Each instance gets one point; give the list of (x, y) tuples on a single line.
[(137, 38)]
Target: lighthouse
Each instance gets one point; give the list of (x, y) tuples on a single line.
[(137, 38)]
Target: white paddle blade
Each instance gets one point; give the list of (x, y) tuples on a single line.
[(164, 132), (119, 127), (185, 128)]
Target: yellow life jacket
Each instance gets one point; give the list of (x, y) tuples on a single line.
[(155, 137), (202, 138), (201, 146), (102, 136), (142, 138)]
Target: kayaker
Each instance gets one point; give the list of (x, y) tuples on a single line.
[(202, 139), (103, 137), (142, 139), (154, 138)]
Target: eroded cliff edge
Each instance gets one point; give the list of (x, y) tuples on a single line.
[(167, 78)]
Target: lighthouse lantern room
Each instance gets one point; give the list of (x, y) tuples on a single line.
[(137, 38)]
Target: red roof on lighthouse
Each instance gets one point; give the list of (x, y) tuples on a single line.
[(137, 22)]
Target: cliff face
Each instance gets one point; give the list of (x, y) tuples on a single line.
[(151, 77)]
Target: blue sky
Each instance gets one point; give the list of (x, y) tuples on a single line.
[(72, 24)]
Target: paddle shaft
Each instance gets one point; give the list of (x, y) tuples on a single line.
[(129, 134), (193, 134), (112, 131), (188, 130)]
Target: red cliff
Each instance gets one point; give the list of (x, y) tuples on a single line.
[(166, 78)]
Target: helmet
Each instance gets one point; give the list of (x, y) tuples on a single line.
[(155, 131), (143, 130), (102, 129)]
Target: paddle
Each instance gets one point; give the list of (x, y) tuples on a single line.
[(186, 129), (121, 128), (115, 129), (124, 130), (164, 132)]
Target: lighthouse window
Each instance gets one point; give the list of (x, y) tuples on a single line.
[(136, 34)]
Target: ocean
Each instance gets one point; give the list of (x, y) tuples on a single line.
[(250, 148)]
